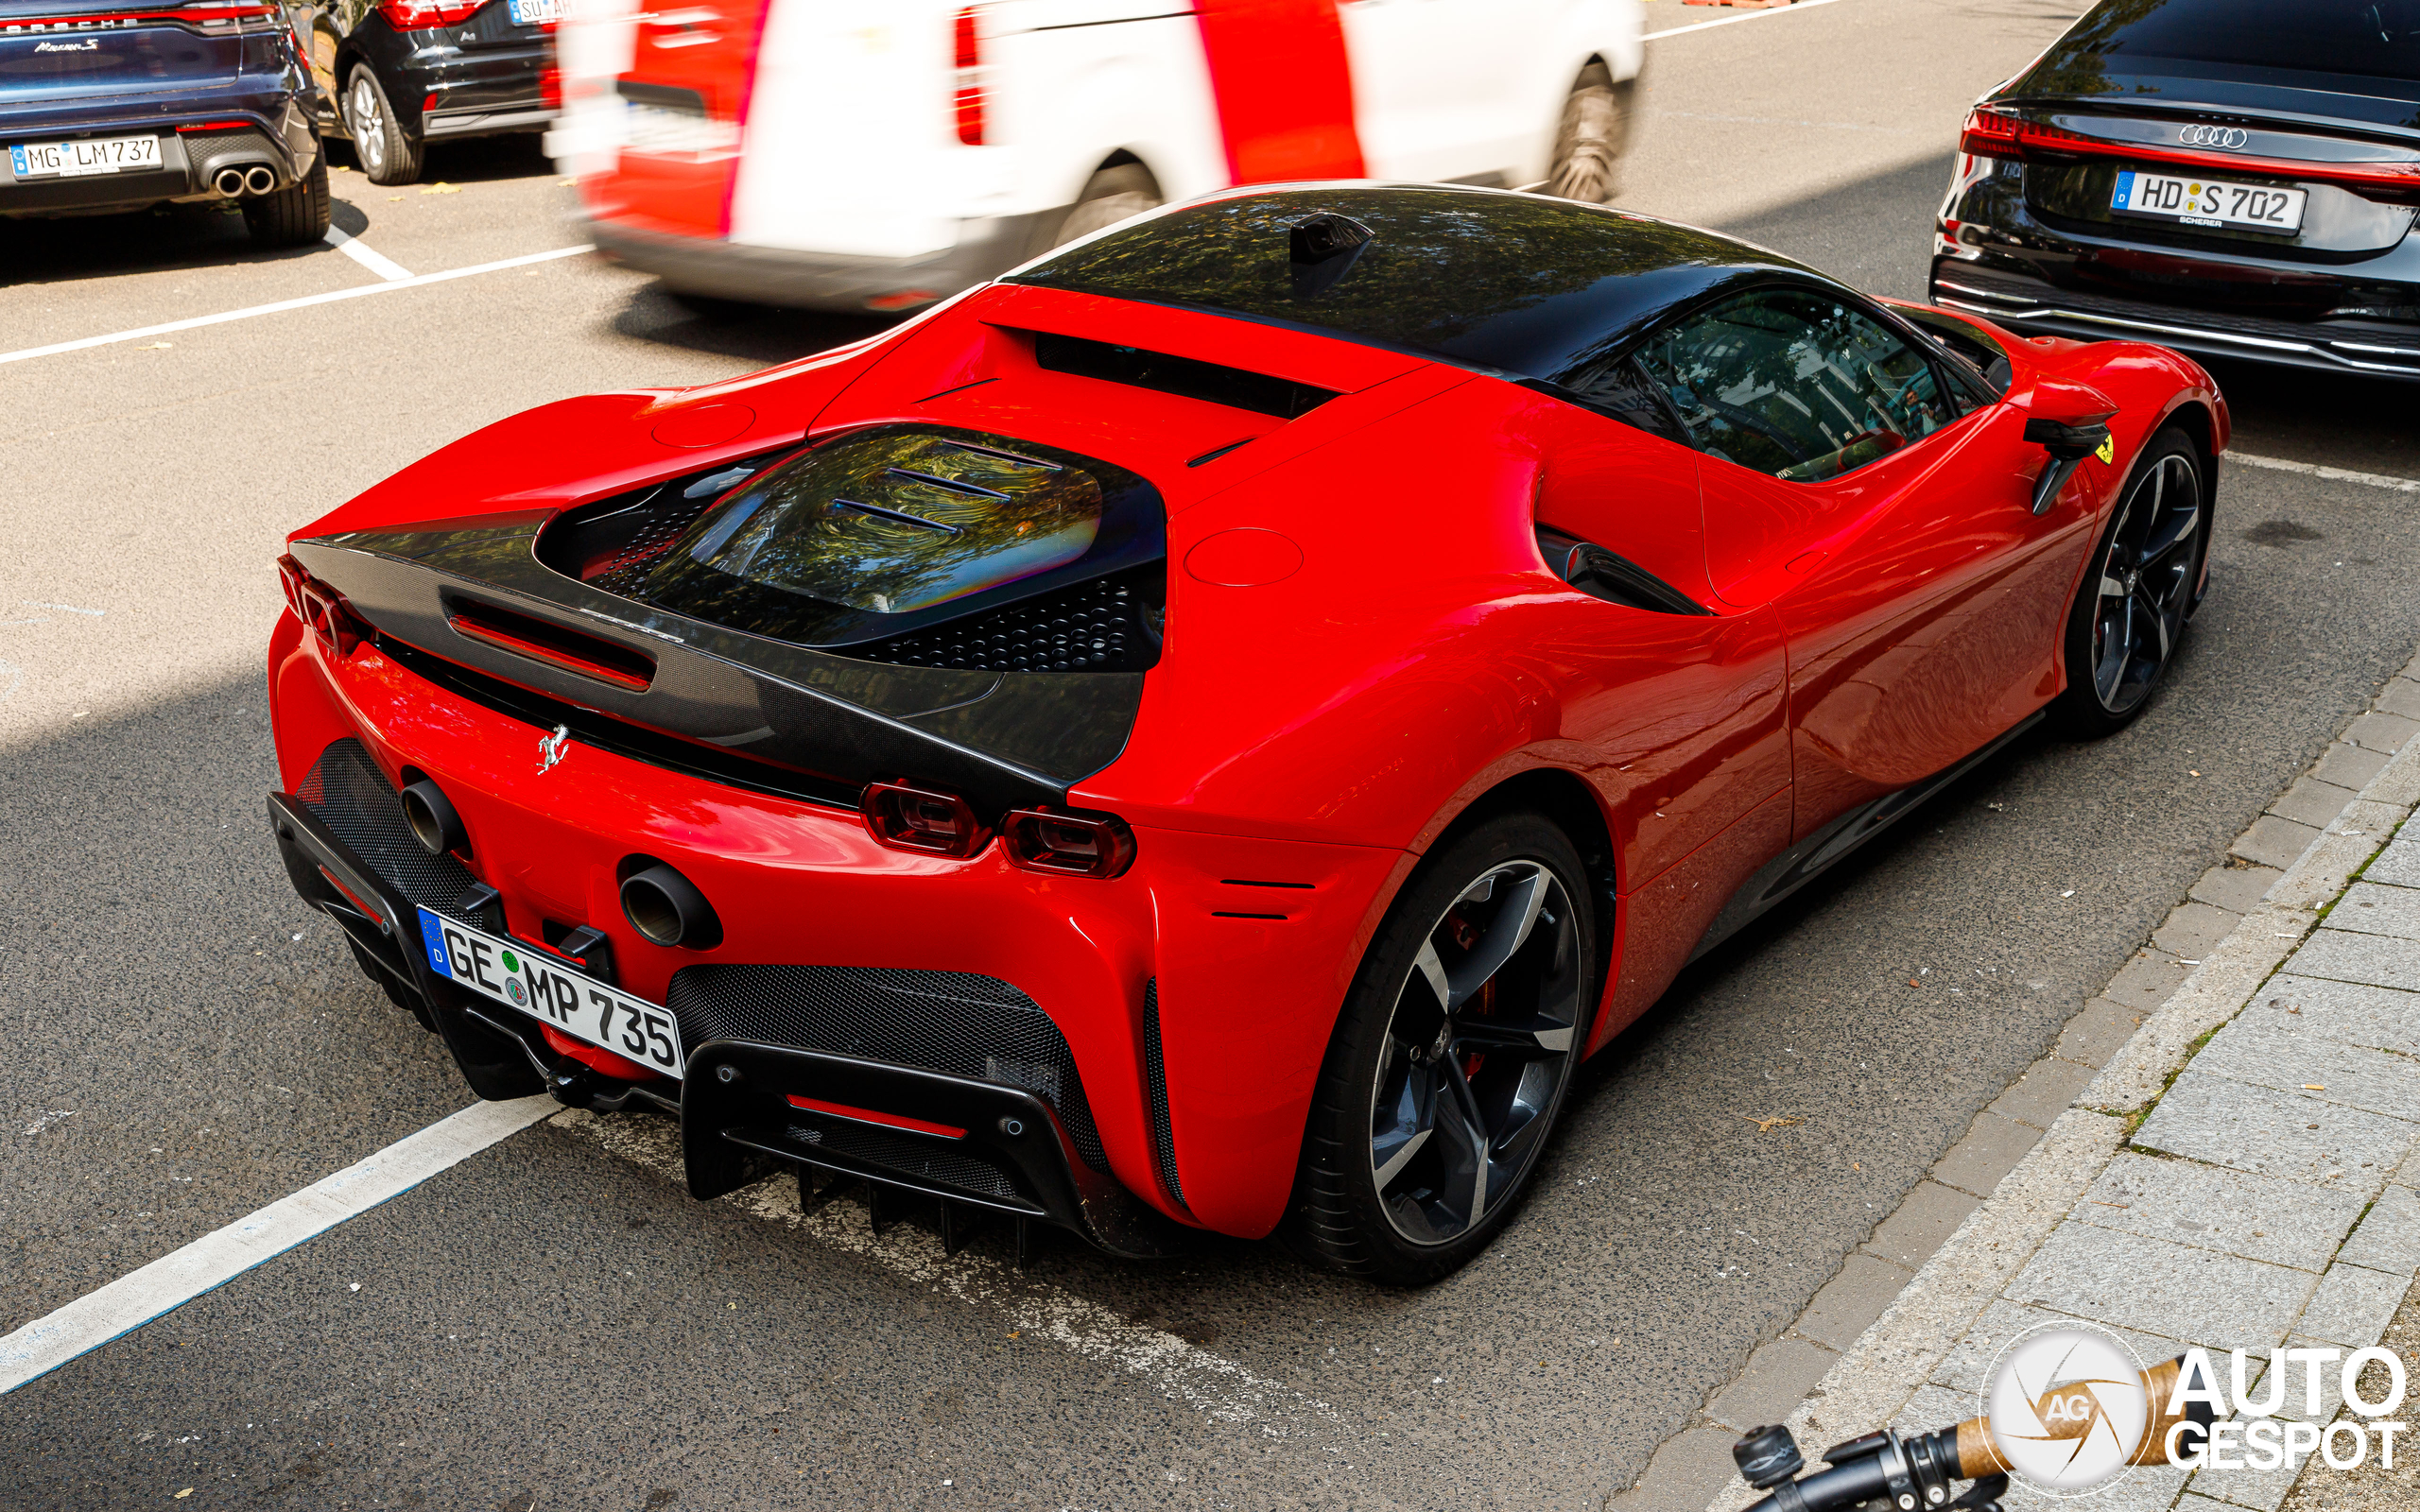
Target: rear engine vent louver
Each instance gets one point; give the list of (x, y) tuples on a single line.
[(1103, 625), (1155, 1070), (1236, 387)]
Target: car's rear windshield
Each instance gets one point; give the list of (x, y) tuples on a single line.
[(1518, 284), (2366, 38)]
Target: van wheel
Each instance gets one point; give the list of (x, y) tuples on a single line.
[(1112, 194), (291, 217), (1589, 144), (1450, 1060), (387, 156)]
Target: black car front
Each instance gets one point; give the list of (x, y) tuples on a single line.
[(112, 106), (2231, 178)]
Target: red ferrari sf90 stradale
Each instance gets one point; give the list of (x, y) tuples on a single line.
[(1208, 730)]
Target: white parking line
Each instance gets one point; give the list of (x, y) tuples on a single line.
[(2333, 474), (215, 1258), (1744, 15), (359, 250), (411, 281)]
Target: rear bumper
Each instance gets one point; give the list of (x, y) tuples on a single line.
[(998, 1150), (188, 162), (2038, 307), (824, 281)]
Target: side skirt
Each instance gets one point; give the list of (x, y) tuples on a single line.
[(1827, 846)]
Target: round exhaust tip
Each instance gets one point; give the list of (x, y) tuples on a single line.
[(432, 820), (666, 909), (228, 181), (259, 179)]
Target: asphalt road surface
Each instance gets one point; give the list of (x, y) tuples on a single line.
[(552, 1324)]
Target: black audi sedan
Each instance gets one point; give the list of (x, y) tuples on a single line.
[(2232, 178), (399, 74)]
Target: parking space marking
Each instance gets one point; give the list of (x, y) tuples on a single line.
[(2333, 474), (413, 282), (1186, 1373), (217, 1257), (360, 251), (1745, 15)]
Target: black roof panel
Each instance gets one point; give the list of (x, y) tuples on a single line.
[(1517, 285)]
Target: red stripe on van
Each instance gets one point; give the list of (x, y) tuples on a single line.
[(710, 48), (1284, 89)]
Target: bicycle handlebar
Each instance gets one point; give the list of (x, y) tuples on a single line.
[(1912, 1473)]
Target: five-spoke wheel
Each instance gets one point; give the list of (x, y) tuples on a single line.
[(1453, 1056), (2139, 588)]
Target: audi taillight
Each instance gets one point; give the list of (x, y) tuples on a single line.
[(1997, 134), (550, 87), (968, 45), (1070, 845), (1989, 134), (905, 818), (323, 610), (412, 15)]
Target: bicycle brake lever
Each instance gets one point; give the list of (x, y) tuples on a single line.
[(1983, 1496)]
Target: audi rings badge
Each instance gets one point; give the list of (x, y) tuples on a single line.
[(2229, 137), (551, 748)]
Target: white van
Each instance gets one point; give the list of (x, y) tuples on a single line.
[(883, 154)]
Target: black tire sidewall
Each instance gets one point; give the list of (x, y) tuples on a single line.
[(2078, 711), (1340, 1114), (402, 152)]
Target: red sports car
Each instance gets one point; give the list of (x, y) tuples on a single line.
[(1207, 731)]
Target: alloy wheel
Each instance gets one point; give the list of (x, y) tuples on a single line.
[(368, 122), (1476, 1053), (1587, 146), (2146, 583)]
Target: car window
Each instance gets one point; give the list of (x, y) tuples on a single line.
[(1795, 383)]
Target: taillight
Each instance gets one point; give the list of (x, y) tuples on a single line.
[(1989, 134), (1997, 134), (550, 87), (968, 45), (322, 608), (1071, 844), (412, 15), (919, 820)]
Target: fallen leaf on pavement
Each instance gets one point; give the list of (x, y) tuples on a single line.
[(2314, 1087), (157, 346), (440, 189), (1768, 1125)]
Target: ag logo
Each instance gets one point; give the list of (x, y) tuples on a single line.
[(551, 748), (2066, 1407), (2230, 137)]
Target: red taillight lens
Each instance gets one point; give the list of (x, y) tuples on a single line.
[(1071, 844), (321, 609), (412, 15), (968, 45), (1989, 134), (919, 820), (550, 87)]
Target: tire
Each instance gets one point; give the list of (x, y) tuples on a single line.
[(1109, 195), (387, 154), (1391, 1190), (1589, 143), (2138, 588), (292, 217)]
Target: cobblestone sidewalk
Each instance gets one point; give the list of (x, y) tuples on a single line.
[(2243, 1172)]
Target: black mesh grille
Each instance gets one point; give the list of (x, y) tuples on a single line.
[(952, 1022), (1094, 626), (346, 791), (1156, 1071), (621, 572), (902, 1153)]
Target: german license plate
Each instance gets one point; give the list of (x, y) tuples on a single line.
[(2208, 201), (74, 160), (536, 12), (545, 988)]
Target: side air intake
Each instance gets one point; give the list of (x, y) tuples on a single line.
[(1236, 387), (1156, 1071)]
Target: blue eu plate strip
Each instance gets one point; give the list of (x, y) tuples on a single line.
[(432, 933), (2125, 190)]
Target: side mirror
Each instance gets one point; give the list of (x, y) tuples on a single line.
[(2068, 420)]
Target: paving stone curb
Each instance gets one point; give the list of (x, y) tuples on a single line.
[(1887, 1368)]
